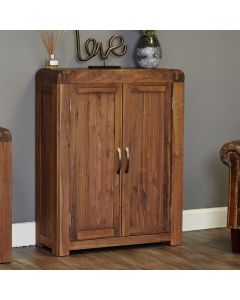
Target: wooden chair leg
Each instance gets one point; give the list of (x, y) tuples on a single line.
[(235, 237)]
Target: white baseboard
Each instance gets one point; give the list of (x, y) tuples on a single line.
[(23, 234), (193, 219), (204, 218)]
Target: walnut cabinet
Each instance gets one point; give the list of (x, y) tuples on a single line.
[(109, 153)]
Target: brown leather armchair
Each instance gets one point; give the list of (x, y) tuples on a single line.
[(230, 156)]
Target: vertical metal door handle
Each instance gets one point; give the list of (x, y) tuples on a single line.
[(128, 159), (119, 160)]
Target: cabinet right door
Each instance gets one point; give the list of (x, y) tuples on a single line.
[(146, 168)]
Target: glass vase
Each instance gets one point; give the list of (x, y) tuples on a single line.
[(148, 51)]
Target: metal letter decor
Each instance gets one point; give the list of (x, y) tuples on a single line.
[(93, 47)]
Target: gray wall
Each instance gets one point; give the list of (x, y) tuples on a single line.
[(210, 60)]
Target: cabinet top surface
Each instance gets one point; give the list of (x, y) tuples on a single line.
[(123, 75)]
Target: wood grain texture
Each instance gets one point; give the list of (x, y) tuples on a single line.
[(45, 241), (48, 161), (95, 234), (62, 221), (51, 208), (126, 75), (177, 164), (82, 117), (201, 250), (147, 133), (95, 136), (119, 241), (38, 170), (5, 196)]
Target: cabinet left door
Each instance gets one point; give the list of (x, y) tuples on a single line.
[(95, 143)]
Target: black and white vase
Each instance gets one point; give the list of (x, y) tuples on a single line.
[(148, 52)]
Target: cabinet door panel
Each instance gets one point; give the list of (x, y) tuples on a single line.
[(94, 182), (147, 135)]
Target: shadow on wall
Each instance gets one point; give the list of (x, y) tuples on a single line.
[(219, 178), (24, 155), (134, 47)]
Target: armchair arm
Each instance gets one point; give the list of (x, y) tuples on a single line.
[(230, 156), (227, 149)]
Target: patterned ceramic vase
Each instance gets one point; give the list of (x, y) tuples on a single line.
[(148, 52)]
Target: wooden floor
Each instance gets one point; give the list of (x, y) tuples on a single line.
[(205, 249)]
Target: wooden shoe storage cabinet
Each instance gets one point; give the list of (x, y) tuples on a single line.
[(109, 157)]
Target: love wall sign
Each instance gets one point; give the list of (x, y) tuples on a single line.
[(116, 47)]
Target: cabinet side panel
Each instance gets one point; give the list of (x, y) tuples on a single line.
[(46, 136), (37, 158), (177, 164), (5, 202)]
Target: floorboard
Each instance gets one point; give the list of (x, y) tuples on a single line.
[(204, 250)]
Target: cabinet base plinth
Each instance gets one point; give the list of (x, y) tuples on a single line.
[(109, 242), (121, 241)]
